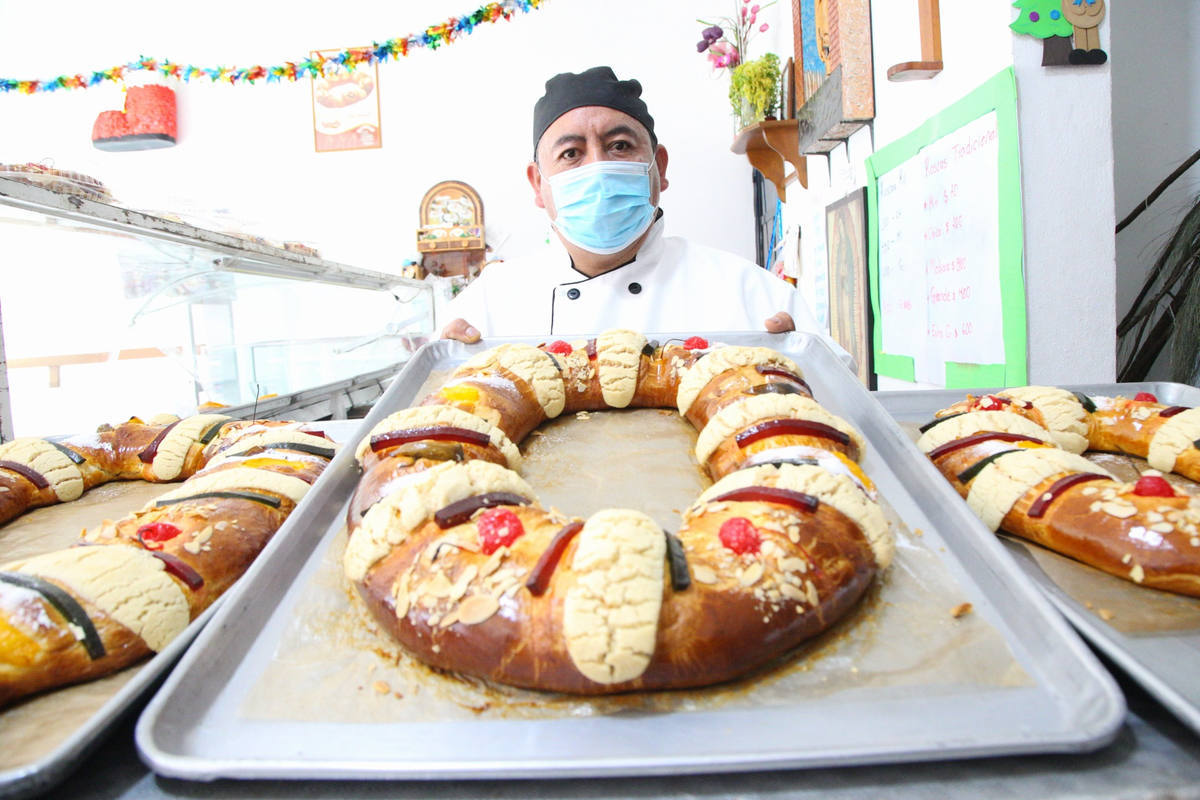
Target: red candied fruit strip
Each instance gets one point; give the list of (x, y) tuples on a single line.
[(1038, 507), (767, 369), (153, 534), (1145, 397), (179, 569), (441, 433), (1153, 486), (976, 438), (147, 455), (559, 347), (771, 494), (796, 427), (539, 578), (739, 535), (498, 527), (695, 343), (1171, 411), (29, 474)]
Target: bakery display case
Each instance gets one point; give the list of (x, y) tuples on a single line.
[(166, 316)]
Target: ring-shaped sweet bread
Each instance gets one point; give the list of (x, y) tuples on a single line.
[(457, 560), (1015, 456)]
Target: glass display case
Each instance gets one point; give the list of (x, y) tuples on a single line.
[(107, 313)]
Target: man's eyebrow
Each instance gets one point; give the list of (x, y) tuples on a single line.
[(621, 130), (567, 138), (576, 138)]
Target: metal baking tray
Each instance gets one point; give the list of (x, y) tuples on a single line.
[(197, 726), (1161, 657), (44, 772)]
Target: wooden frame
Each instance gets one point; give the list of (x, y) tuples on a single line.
[(849, 309), (835, 80), (787, 90), (931, 47), (451, 218), (345, 108)]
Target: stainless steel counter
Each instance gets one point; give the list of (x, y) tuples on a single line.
[(1154, 756)]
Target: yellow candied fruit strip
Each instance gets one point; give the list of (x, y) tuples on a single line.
[(16, 647), (258, 463), (855, 470), (460, 393)]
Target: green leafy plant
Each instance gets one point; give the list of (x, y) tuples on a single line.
[(757, 84)]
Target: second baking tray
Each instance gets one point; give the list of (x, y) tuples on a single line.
[(1153, 636), (1048, 692), (56, 729)]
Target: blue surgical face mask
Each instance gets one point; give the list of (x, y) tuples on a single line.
[(603, 206)]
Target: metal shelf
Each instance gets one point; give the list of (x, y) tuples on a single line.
[(235, 254), (190, 253)]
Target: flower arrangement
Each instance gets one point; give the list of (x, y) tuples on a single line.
[(753, 85), (754, 89), (726, 43)]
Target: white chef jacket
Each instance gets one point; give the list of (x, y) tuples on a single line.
[(673, 285)]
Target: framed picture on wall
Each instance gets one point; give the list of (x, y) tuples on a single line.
[(849, 307), (787, 90), (834, 75), (345, 107)]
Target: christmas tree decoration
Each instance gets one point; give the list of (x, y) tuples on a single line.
[(1067, 28)]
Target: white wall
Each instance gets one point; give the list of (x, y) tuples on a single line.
[(1066, 161), (464, 112), (1156, 126), (245, 155)]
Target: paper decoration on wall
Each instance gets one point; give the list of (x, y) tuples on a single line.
[(432, 37), (148, 121), (946, 246), (1069, 29), (345, 107), (835, 78)]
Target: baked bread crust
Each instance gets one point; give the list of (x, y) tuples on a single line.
[(132, 585), (463, 567), (1016, 477)]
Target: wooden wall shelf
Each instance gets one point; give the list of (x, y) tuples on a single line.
[(768, 145), (931, 47)]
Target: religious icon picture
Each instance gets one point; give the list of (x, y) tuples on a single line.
[(849, 310)]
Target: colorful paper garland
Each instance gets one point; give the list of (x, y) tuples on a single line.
[(432, 37)]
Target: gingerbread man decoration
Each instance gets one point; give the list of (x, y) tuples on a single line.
[(1085, 17)]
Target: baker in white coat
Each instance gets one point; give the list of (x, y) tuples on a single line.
[(598, 171)]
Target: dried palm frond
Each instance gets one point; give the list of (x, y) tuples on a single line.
[(1165, 310)]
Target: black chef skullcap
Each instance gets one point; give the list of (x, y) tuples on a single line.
[(597, 86)]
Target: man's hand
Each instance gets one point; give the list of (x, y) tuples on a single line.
[(780, 322), (462, 331)]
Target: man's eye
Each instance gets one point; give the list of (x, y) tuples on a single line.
[(569, 153)]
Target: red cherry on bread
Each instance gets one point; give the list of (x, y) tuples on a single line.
[(559, 347), (1145, 397), (153, 534), (1153, 486), (740, 535), (498, 527), (696, 343)]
